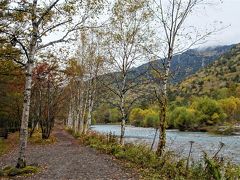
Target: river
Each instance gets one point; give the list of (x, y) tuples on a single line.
[(180, 141)]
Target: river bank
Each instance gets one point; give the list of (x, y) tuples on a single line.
[(227, 130), (169, 166), (179, 141)]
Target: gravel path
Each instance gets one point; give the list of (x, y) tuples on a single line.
[(68, 160)]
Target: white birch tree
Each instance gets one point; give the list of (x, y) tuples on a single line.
[(174, 36), (124, 47)]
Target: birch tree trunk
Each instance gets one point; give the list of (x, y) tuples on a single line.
[(91, 102), (84, 123), (123, 111), (163, 108), (123, 122), (21, 162), (90, 108), (69, 120), (75, 119), (70, 116), (80, 106)]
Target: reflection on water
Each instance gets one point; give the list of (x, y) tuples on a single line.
[(179, 141)]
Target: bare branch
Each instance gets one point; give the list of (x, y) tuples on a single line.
[(46, 12)]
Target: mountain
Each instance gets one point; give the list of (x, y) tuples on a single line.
[(222, 74), (187, 63)]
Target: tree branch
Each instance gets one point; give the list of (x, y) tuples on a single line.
[(46, 12)]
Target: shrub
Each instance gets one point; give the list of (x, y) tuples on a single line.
[(151, 118), (36, 138), (106, 114), (13, 171), (114, 115), (136, 117), (212, 168), (210, 110), (231, 107), (183, 118)]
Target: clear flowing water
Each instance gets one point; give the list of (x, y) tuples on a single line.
[(180, 141)]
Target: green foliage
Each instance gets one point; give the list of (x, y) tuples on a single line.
[(106, 114), (36, 138), (232, 172), (145, 118), (13, 171), (212, 168), (200, 113), (136, 117), (218, 80), (114, 115), (220, 93), (3, 147), (210, 110), (204, 111), (11, 86), (183, 118), (231, 107), (151, 119)]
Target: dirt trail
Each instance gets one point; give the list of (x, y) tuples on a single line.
[(68, 160)]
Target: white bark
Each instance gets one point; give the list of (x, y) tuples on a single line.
[(123, 111), (70, 120), (70, 112), (84, 109), (89, 116), (25, 117), (27, 91), (91, 102), (163, 108), (80, 111)]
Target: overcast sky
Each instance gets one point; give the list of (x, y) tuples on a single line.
[(229, 13)]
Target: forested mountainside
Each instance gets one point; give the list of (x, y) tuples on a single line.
[(216, 78), (187, 63)]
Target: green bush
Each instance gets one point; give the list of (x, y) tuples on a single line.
[(146, 118), (232, 171), (210, 112), (151, 119), (106, 114), (136, 117), (231, 107), (101, 114), (114, 115), (183, 118), (212, 169)]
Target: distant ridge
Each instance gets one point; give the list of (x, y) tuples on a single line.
[(224, 72), (187, 63)]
